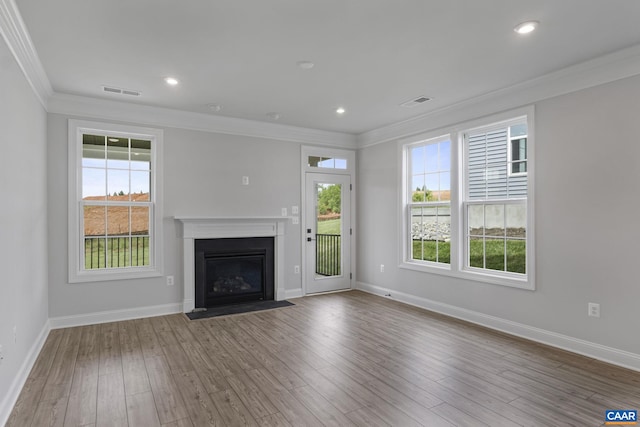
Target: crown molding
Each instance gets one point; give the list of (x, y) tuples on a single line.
[(17, 37), (604, 69), (104, 109)]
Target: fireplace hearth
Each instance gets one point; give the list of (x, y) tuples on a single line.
[(233, 270)]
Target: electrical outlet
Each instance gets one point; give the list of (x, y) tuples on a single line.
[(381, 268), (294, 220), (296, 269), (294, 210), (594, 309), (284, 211), (170, 281), (245, 180)]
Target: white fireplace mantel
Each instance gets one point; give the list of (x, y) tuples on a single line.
[(194, 228)]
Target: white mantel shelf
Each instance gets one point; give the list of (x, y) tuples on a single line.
[(194, 228)]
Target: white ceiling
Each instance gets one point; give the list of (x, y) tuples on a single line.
[(370, 55)]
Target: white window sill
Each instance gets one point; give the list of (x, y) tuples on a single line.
[(473, 276), (110, 275)]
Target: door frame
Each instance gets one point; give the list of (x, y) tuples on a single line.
[(350, 157)]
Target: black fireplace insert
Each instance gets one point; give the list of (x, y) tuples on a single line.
[(234, 270)]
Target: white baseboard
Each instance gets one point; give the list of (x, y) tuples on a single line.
[(9, 401), (114, 315), (293, 293), (611, 355)]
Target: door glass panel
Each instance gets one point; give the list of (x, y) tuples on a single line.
[(328, 229)]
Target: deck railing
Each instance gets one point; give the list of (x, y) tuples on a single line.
[(328, 254)]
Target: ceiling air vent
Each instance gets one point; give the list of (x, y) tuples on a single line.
[(417, 101), (117, 90)]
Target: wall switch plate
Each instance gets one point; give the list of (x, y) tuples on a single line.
[(170, 281), (296, 269), (245, 180), (294, 210), (594, 309), (284, 211), (381, 268)]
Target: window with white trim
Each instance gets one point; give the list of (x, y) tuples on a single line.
[(114, 202), (495, 198), (429, 197), (468, 206)]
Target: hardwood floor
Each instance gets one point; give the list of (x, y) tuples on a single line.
[(332, 360)]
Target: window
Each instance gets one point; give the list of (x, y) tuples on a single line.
[(326, 162), (495, 201), (114, 202), (429, 197), (468, 204)]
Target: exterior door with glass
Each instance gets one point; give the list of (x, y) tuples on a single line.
[(327, 232)]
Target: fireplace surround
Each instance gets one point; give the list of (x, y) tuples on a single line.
[(196, 228)]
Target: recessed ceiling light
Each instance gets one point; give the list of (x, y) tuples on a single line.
[(171, 81), (340, 110), (526, 27), (113, 140), (274, 116), (305, 65), (216, 108)]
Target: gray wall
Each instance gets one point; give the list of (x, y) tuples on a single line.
[(202, 177), (587, 232), (23, 220)]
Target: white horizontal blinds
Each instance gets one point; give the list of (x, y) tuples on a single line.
[(488, 163)]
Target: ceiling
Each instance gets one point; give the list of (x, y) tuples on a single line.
[(369, 56)]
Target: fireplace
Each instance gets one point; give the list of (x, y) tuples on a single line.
[(193, 229), (233, 270)]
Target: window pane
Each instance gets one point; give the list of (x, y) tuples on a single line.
[(431, 158), (341, 163), (95, 221), (494, 220), (94, 184), (93, 151), (95, 252), (476, 252), (314, 160), (516, 216), (476, 220), (140, 154), (519, 149), (117, 153), (432, 184), (118, 184), (418, 189), (517, 256), (417, 160), (416, 233), (140, 246), (140, 186), (518, 130), (327, 163), (494, 254), (118, 221)]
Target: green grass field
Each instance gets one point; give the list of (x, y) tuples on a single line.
[(516, 258), (331, 226), (117, 252)]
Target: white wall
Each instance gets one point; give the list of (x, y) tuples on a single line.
[(202, 177), (23, 227), (587, 223)]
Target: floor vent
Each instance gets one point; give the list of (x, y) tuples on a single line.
[(416, 101), (119, 91)]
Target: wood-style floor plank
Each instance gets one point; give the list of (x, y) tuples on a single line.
[(330, 360)]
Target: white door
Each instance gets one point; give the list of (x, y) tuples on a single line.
[(327, 232)]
